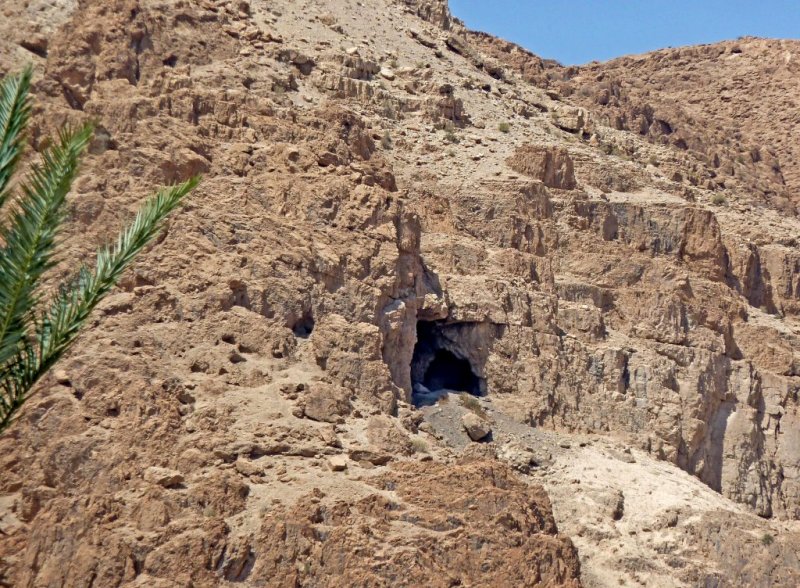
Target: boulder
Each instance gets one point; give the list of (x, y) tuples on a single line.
[(476, 427), (569, 119), (327, 403), (337, 463), (163, 477), (518, 457), (62, 377)]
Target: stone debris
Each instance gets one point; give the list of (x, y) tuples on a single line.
[(518, 457), (477, 428), (62, 377), (337, 463), (163, 477)]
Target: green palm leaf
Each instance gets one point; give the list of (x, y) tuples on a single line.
[(30, 235), (61, 323), (72, 307), (15, 110), (29, 346)]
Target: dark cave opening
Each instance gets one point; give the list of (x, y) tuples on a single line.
[(448, 372), (304, 326), (442, 363)]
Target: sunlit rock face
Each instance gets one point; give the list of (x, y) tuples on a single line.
[(394, 208)]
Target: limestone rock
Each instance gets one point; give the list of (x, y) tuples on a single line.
[(477, 428), (283, 315), (569, 119), (248, 467), (422, 39), (518, 457), (163, 477), (758, 159), (377, 458), (436, 12), (616, 505), (385, 434), (326, 403), (552, 166), (62, 377), (337, 463)]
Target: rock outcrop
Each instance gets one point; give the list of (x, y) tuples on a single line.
[(712, 105), (551, 166)]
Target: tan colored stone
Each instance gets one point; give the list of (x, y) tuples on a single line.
[(552, 166), (476, 427), (163, 477), (62, 377), (337, 463), (327, 403)]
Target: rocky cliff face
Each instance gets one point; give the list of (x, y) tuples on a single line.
[(394, 205), (730, 108)]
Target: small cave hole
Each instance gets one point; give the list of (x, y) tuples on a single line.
[(304, 326), (37, 46), (441, 363)]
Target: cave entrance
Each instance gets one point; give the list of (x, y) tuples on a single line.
[(448, 372), (304, 326), (447, 358)]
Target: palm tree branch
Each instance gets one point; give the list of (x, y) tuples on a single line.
[(61, 322), (29, 238), (15, 110)]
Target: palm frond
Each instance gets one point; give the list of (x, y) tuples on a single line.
[(15, 109), (29, 238), (61, 323)]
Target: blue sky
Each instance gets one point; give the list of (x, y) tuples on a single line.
[(579, 31)]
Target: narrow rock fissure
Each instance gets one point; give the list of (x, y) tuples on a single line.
[(442, 364)]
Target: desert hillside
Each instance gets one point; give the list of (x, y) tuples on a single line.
[(731, 106), (729, 110), (441, 313)]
